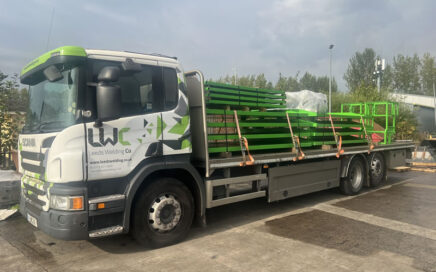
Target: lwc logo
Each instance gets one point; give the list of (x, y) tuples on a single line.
[(117, 136)]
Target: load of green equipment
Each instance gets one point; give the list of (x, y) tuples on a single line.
[(257, 120)]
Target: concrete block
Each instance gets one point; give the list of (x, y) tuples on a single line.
[(9, 188)]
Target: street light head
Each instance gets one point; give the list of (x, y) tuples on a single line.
[(331, 46)]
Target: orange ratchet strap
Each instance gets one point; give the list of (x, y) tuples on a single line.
[(338, 143), (299, 155), (371, 145), (243, 144)]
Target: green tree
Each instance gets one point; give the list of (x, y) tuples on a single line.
[(24, 100), (288, 84), (292, 84), (257, 81), (281, 83), (308, 82), (317, 84), (227, 79), (260, 81), (406, 74), (247, 81), (387, 79), (322, 83), (9, 122), (360, 71), (406, 124), (428, 73), (16, 99)]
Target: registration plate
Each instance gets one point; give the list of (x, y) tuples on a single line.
[(32, 220)]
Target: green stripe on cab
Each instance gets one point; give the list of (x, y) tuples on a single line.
[(61, 51)]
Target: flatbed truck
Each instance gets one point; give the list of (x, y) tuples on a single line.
[(117, 142)]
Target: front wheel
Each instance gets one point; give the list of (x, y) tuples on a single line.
[(356, 176), (163, 213)]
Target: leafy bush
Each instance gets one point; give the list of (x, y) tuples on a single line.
[(11, 120)]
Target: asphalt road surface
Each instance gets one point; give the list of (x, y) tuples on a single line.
[(392, 228)]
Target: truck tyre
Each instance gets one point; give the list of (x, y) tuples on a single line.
[(353, 182), (377, 169), (163, 213)]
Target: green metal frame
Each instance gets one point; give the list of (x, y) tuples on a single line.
[(383, 111), (262, 121)]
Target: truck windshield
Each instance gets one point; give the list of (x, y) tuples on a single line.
[(52, 105)]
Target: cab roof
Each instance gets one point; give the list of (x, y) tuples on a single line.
[(95, 53)]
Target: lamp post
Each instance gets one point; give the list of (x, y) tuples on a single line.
[(235, 75), (434, 98), (379, 68), (330, 78)]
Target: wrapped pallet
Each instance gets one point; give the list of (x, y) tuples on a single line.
[(307, 100)]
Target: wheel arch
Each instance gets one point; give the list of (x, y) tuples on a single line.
[(183, 171)]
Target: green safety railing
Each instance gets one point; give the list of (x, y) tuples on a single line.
[(382, 112)]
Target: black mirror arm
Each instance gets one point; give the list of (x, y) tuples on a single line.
[(98, 123)]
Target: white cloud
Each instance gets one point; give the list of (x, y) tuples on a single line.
[(216, 36), (295, 34), (108, 13), (299, 18)]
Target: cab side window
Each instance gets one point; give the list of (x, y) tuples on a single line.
[(170, 88), (153, 89)]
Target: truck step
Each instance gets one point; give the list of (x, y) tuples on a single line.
[(233, 199), (106, 231), (235, 182)]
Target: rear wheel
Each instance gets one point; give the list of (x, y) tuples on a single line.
[(353, 182), (163, 213), (377, 169)]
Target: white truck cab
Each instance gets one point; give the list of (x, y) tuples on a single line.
[(98, 120)]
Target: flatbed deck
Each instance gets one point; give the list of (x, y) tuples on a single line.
[(225, 152), (277, 157)]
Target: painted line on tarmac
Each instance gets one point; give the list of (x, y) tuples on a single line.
[(417, 185), (333, 201), (379, 221), (385, 187)]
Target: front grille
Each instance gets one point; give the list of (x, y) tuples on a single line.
[(33, 208), (38, 167), (34, 192), (34, 189)]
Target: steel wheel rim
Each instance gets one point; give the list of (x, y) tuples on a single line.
[(164, 213), (376, 167), (356, 176)]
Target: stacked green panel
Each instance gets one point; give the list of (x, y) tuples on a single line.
[(262, 121), (253, 106), (219, 95)]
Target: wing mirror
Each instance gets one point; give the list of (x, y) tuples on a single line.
[(108, 95)]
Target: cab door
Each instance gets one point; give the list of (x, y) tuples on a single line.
[(175, 118), (116, 147)]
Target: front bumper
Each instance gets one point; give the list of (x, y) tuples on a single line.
[(34, 202), (58, 224)]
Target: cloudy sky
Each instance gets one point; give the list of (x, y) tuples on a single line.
[(219, 37)]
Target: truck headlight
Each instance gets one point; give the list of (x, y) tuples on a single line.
[(66, 203)]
